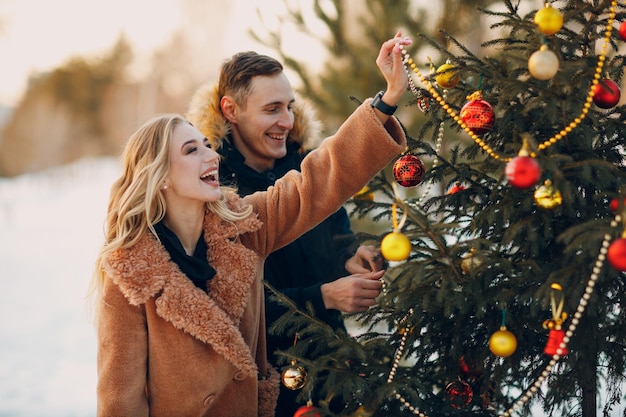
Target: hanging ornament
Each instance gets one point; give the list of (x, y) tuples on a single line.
[(447, 76), (468, 368), (616, 255), (362, 412), (543, 64), (456, 188), (408, 170), (395, 246), (555, 325), (294, 376), (606, 93), (614, 204), (424, 100), (471, 261), (460, 394), (622, 31), (549, 20), (477, 114), (502, 342), (548, 196), (523, 171), (308, 410), (365, 194)]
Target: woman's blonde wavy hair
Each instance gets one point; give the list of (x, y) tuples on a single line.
[(136, 202)]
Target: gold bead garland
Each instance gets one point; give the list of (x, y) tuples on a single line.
[(601, 258), (408, 61), (536, 385)]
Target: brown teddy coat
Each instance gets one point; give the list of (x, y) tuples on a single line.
[(168, 349)]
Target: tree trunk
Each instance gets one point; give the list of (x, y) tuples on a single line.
[(587, 371)]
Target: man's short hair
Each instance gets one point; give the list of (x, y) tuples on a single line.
[(237, 73)]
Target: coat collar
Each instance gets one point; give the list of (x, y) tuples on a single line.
[(145, 271), (205, 114)]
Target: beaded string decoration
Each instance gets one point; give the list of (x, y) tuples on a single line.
[(438, 141), (408, 61), (536, 385), (600, 260)]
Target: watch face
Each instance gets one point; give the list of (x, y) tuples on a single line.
[(379, 104)]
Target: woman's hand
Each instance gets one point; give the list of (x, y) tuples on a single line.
[(389, 62)]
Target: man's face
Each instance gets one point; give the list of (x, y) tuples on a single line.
[(261, 125)]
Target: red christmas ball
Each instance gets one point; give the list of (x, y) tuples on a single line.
[(622, 31), (456, 188), (408, 170), (614, 204), (308, 411), (468, 368), (459, 393), (616, 254), (478, 116), (522, 172), (606, 93)]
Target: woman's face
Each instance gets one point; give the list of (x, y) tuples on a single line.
[(193, 176)]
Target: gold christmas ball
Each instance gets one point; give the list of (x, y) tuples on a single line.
[(294, 377), (364, 194), (395, 246), (548, 196), (543, 64), (446, 76), (407, 330), (502, 343), (362, 412), (470, 262), (549, 20)]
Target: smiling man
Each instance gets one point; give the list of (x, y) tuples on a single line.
[(254, 121)]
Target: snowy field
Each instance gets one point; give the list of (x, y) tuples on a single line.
[(50, 231)]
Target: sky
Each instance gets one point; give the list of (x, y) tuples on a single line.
[(39, 35)]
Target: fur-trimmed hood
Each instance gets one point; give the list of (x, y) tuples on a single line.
[(205, 114)]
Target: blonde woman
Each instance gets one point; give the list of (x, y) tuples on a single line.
[(180, 302)]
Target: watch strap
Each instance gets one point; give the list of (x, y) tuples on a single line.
[(383, 107)]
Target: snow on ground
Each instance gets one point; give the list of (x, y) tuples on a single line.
[(50, 231)]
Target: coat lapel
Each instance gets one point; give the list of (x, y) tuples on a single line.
[(146, 270)]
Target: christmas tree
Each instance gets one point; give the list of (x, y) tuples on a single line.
[(505, 232)]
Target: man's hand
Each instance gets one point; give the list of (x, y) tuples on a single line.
[(366, 259), (354, 293)]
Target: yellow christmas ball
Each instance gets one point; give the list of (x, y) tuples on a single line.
[(543, 64), (364, 194), (294, 377), (548, 196), (502, 343), (471, 262), (395, 246), (446, 76), (549, 20), (362, 412)]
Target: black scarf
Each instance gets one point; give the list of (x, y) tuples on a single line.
[(196, 267)]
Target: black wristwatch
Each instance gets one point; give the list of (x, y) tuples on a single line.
[(379, 104)]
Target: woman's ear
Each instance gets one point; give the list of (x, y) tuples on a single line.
[(229, 108)]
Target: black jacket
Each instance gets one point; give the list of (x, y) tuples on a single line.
[(299, 269)]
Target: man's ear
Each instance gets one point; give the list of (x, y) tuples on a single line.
[(229, 108)]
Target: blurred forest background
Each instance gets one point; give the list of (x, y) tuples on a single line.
[(88, 106)]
